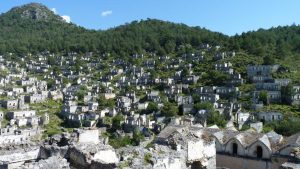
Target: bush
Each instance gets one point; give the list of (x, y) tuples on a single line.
[(204, 105), (267, 129), (116, 121), (285, 127), (216, 118), (263, 96), (245, 127), (169, 109), (152, 107), (137, 137), (120, 142), (147, 158)]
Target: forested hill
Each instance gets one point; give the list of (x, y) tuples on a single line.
[(160, 36), (35, 28), (279, 41)]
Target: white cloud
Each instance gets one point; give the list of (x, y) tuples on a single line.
[(54, 10), (106, 13), (66, 18)]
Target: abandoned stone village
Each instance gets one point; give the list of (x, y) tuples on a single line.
[(67, 119)]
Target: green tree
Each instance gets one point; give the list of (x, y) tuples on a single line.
[(50, 83), (81, 93), (204, 105), (56, 70), (263, 96), (137, 137), (185, 72), (117, 121), (152, 107), (170, 46), (269, 60), (214, 77), (287, 93), (169, 109), (51, 60), (216, 118), (196, 97), (104, 103), (65, 80), (284, 127)]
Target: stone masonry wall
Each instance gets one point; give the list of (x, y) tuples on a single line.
[(246, 163)]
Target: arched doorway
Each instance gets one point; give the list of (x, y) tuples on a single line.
[(196, 165), (259, 152), (234, 148)]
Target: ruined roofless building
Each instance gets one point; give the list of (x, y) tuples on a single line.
[(239, 150)]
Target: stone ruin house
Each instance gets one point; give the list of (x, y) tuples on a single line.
[(240, 150)]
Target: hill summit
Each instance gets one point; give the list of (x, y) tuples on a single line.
[(33, 11)]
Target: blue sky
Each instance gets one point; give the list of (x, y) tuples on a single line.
[(226, 16)]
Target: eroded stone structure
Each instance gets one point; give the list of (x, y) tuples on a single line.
[(235, 149), (174, 148), (81, 149)]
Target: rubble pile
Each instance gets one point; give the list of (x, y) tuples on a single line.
[(181, 148), (50, 163), (63, 151)]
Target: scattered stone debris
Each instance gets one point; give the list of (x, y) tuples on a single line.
[(56, 162), (180, 148), (81, 149)]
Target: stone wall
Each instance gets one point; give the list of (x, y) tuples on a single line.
[(21, 156), (54, 162), (88, 136), (168, 163), (12, 139), (11, 166), (106, 156), (15, 158), (203, 152), (234, 162)]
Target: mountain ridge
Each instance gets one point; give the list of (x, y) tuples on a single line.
[(42, 30), (35, 28)]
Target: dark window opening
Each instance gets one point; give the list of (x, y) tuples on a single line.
[(259, 152), (234, 148)]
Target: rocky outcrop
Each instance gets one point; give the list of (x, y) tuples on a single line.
[(35, 11), (83, 149), (50, 163), (47, 151), (19, 155), (88, 155)]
